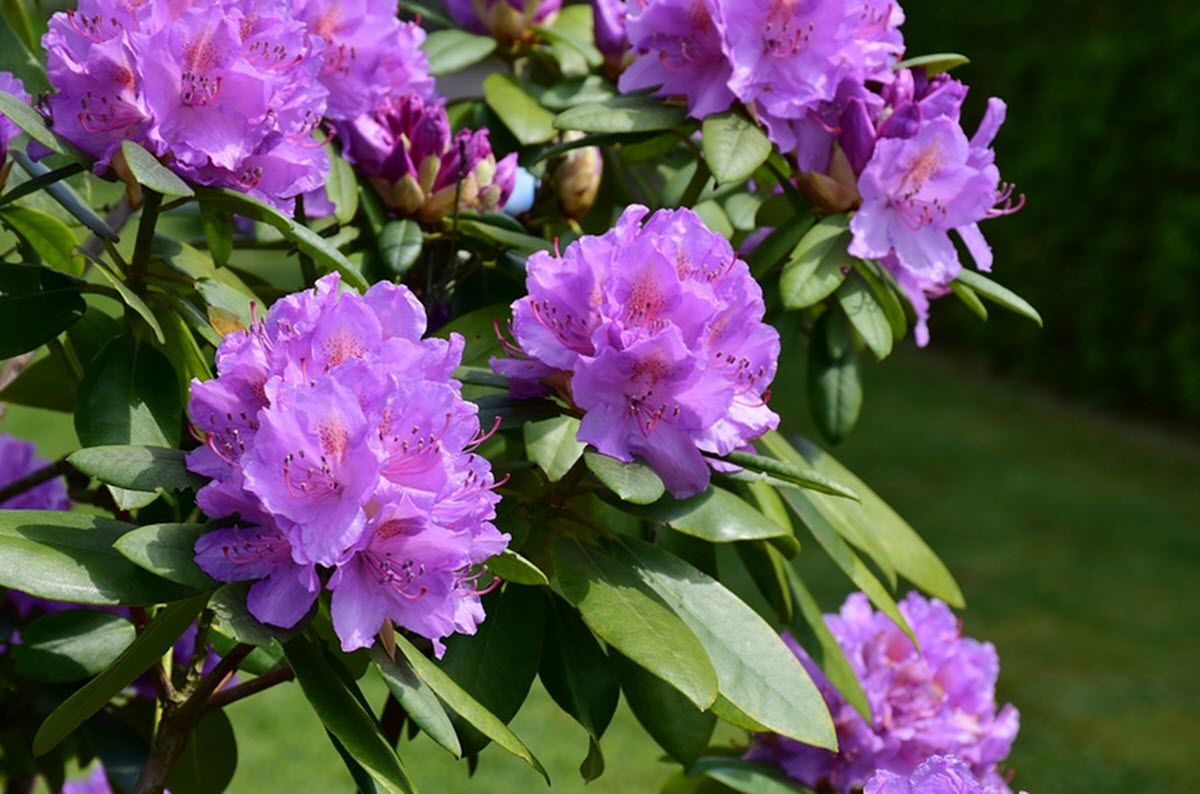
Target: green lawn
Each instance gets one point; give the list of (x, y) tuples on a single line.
[(1076, 539)]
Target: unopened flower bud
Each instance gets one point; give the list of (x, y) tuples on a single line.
[(577, 179), (506, 20)]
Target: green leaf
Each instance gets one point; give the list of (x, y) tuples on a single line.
[(229, 307), (511, 412), (512, 567), (804, 477), (28, 119), (466, 706), (778, 244), (579, 676), (680, 729), (452, 51), (342, 711), (36, 305), (69, 557), (834, 382), (52, 239), (500, 236), (128, 396), (747, 777), (209, 760), (866, 315), (716, 515), (970, 298), (130, 299), (149, 172), (622, 114), (71, 645), (341, 188), (734, 146), (308, 241), (887, 293), (479, 331), (714, 217), (218, 232), (818, 265), (16, 57), (528, 121), (571, 39), (767, 568), (68, 199), (40, 182), (233, 619), (400, 245), (139, 468), (624, 612), (756, 671), (577, 91), (933, 64), (49, 383), (418, 700), (167, 550), (553, 445), (999, 294), (635, 482), (154, 640)]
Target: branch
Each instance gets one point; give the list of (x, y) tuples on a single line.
[(224, 697), (30, 481)]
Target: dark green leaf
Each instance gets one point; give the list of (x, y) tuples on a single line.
[(552, 444), (52, 239), (804, 477), (218, 232), (834, 382), (139, 468), (159, 635), (512, 567), (149, 172), (451, 51), (999, 294), (624, 612), (233, 619), (71, 645), (970, 298), (528, 121), (130, 298), (31, 123), (49, 383), (571, 38), (341, 188), (209, 759), (400, 246), (747, 777), (756, 672), (418, 700), (501, 236), (934, 64), (680, 729), (68, 199), (39, 182), (466, 706), (128, 396), (622, 114), (866, 315), (778, 244), (479, 331), (577, 91), (734, 146), (16, 57), (343, 713), (169, 551), (69, 557), (36, 305), (635, 482), (716, 515), (818, 265)]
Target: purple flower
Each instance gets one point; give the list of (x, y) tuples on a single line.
[(608, 21), (12, 85), (938, 701), (941, 774), (95, 783), (19, 459), (408, 153), (336, 438), (370, 56), (655, 333), (225, 91), (507, 20)]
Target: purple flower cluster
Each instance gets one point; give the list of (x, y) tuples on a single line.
[(507, 20), (654, 331), (941, 774), (406, 150), (936, 701), (336, 438), (12, 85)]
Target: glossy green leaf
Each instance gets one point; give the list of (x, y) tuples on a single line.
[(528, 121), (420, 703), (747, 777), (71, 645), (998, 294), (512, 567), (479, 329), (866, 315), (887, 292), (716, 515), (778, 244), (209, 760), (218, 232), (714, 217), (635, 482), (149, 172), (453, 50), (767, 568), (28, 119), (49, 237), (502, 236), (834, 380), (343, 713), (232, 618), (130, 299), (622, 114), (804, 477), (553, 445), (139, 468), (400, 243), (69, 557), (128, 396), (734, 146), (341, 188), (627, 614), (680, 729), (167, 550), (36, 305), (933, 64), (756, 672), (571, 38), (229, 308), (818, 264), (969, 297), (150, 646), (466, 706), (308, 241)]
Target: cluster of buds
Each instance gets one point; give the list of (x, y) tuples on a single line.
[(507, 20)]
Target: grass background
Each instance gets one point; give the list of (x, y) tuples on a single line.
[(1075, 536)]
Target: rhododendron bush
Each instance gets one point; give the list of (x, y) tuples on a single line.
[(439, 345)]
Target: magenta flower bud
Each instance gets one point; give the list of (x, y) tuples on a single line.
[(418, 168), (506, 20), (608, 21)]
